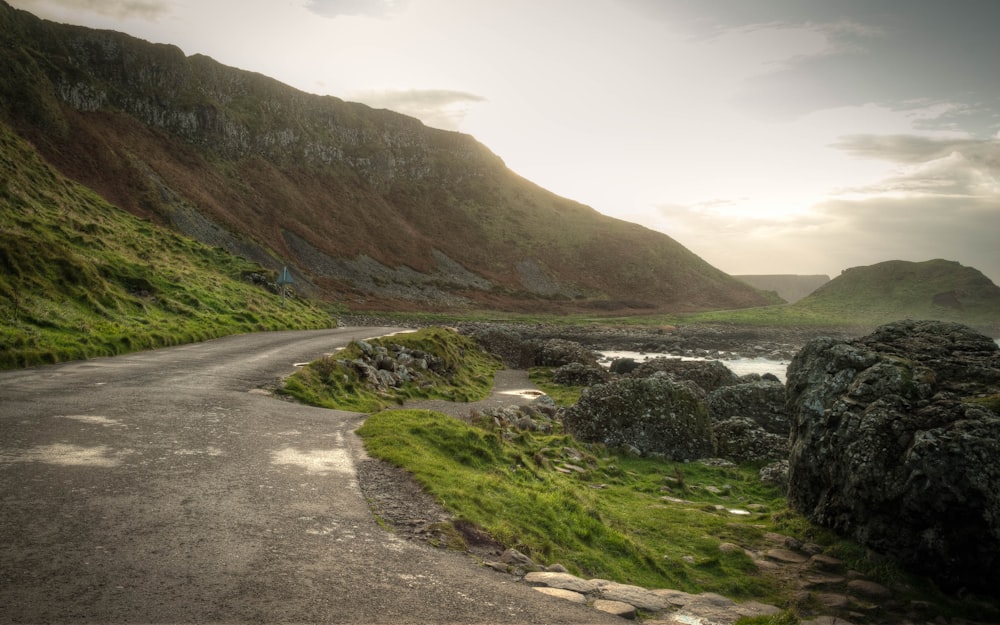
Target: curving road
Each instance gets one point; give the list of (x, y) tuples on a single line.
[(164, 486)]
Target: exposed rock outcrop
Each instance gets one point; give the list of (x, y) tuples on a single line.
[(896, 443), (656, 416)]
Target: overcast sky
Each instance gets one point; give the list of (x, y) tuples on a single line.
[(767, 136)]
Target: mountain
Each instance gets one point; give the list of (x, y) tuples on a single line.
[(790, 288), (896, 289), (368, 207)]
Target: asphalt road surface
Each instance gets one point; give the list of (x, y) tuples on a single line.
[(166, 487)]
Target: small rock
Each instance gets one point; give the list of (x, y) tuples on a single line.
[(617, 608), (516, 558), (561, 593), (556, 568)]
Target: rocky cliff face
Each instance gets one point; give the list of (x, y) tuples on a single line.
[(366, 206)]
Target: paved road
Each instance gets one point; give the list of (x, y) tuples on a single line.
[(165, 486)]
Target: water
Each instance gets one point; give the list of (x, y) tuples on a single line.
[(739, 366)]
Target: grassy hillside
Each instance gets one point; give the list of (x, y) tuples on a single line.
[(371, 207), (81, 278)]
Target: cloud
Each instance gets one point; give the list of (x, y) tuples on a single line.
[(889, 53), (965, 167), (355, 8), (119, 9), (439, 108)]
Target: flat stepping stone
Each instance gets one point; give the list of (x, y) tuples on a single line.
[(634, 595), (560, 580), (561, 593), (869, 589), (834, 601), (818, 580), (825, 563), (618, 608), (786, 556)]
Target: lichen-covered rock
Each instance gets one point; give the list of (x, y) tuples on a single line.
[(656, 415), (579, 374), (895, 443), (707, 374), (741, 439), (762, 401)]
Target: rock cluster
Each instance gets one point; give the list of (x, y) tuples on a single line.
[(896, 443), (384, 368), (626, 600)]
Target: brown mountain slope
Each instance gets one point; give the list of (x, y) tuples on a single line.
[(367, 206)]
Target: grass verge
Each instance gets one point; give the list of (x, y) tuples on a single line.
[(459, 370)]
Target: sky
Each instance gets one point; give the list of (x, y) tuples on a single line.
[(766, 136)]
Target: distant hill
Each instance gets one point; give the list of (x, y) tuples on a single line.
[(368, 207), (790, 288), (896, 289)]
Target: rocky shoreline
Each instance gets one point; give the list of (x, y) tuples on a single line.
[(722, 341), (829, 591)]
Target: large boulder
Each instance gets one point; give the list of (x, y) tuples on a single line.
[(762, 401), (896, 442), (656, 416), (707, 374)]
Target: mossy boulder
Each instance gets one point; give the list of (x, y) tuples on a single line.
[(657, 416)]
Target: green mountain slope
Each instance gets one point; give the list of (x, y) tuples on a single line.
[(371, 208), (81, 278), (896, 289)]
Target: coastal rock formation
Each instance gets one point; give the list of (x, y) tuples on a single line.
[(656, 416), (762, 401), (896, 443)]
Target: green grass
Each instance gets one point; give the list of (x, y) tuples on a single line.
[(609, 522), (561, 394), (80, 278), (613, 520), (331, 382)]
